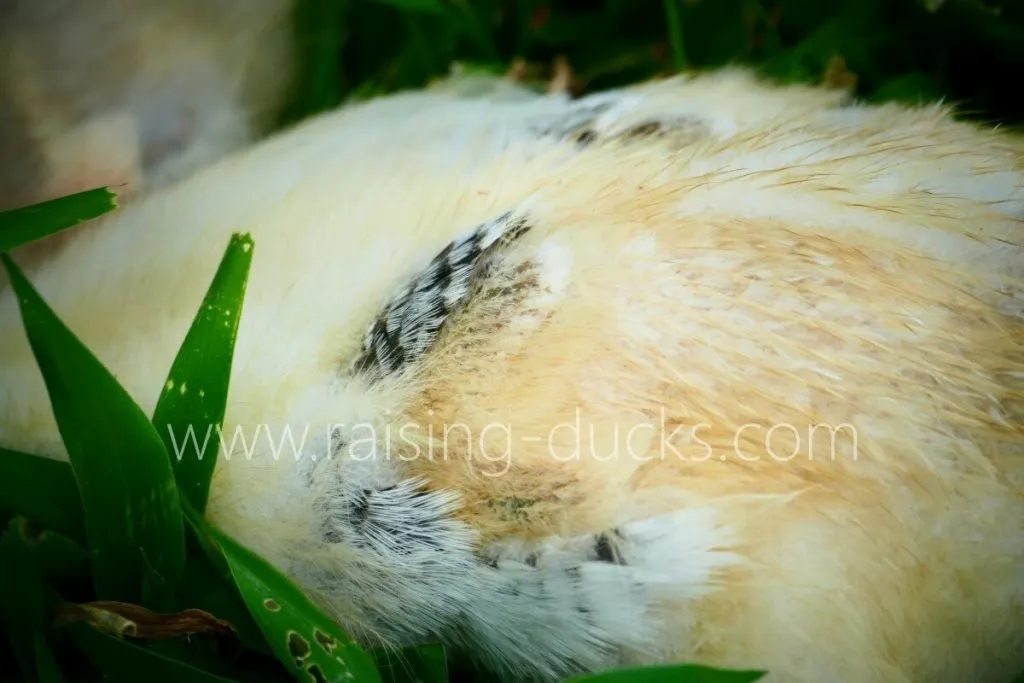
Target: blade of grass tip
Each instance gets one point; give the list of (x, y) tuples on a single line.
[(128, 493), (19, 227), (305, 640), (192, 405), (59, 558), (674, 19), (42, 490)]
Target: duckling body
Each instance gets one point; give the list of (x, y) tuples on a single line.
[(704, 370)]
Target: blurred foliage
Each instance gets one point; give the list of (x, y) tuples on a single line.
[(970, 52)]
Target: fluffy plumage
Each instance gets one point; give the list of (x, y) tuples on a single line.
[(702, 370)]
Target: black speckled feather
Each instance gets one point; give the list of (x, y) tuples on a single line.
[(413, 319)]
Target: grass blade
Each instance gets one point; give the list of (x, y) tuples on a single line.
[(59, 558), (425, 6), (42, 490), (26, 602), (301, 636), (19, 227), (674, 22), (132, 516), (47, 667), (206, 588), (191, 407), (424, 664), (121, 660)]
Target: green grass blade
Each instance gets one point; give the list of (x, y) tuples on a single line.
[(59, 558), (424, 664), (130, 500), (121, 660), (674, 21), (310, 645), (322, 36), (26, 603), (688, 673), (42, 490), (205, 587), (30, 223), (426, 6), (191, 408), (47, 668)]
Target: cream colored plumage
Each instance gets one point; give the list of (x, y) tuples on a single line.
[(676, 268)]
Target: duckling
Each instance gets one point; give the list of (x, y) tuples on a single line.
[(707, 369)]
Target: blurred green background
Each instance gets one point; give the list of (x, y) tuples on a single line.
[(970, 52)]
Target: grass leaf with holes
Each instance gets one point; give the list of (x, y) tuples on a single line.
[(311, 645), (190, 411), (19, 227), (133, 520)]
